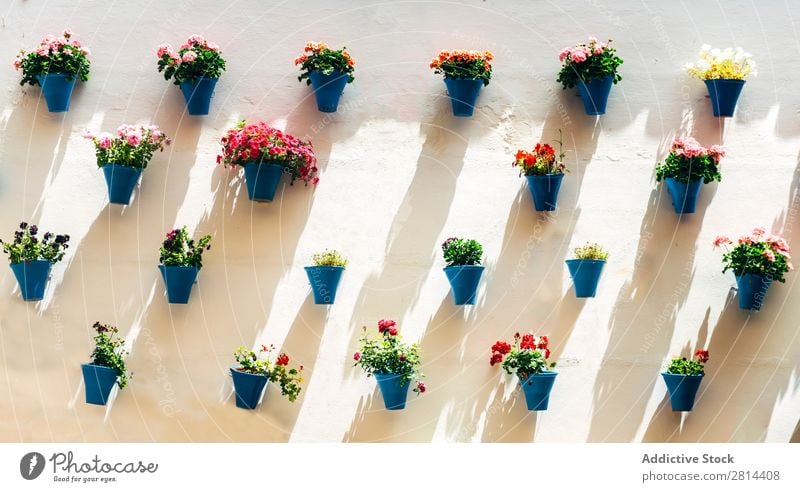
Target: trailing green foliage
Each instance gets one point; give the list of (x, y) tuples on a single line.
[(278, 372), (527, 355), (54, 55), (458, 251), (179, 249), (109, 351), (588, 62), (389, 355), (28, 247)]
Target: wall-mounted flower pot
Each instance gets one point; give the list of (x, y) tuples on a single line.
[(57, 90), (752, 289), (99, 381), (198, 94), (684, 195), (463, 94), (464, 281), (324, 282), (248, 387), (394, 392), (724, 94), (328, 89), (121, 180), (595, 94), (537, 389), (32, 278), (262, 179), (585, 276), (682, 390), (544, 190), (179, 281)]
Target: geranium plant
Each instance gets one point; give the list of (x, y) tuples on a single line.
[(318, 57), (729, 63), (588, 62), (179, 249), (458, 251), (590, 251), (133, 145), (277, 372), (55, 54), (196, 58), (259, 142), (527, 355), (27, 246), (689, 367), (329, 258), (689, 161), (109, 351), (388, 354), (464, 64), (757, 253), (542, 160)]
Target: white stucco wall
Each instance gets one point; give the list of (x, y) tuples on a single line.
[(399, 175)]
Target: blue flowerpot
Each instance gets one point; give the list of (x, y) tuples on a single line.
[(752, 290), (99, 381), (684, 195), (544, 190), (248, 387), (537, 389), (595, 94), (328, 89), (463, 94), (585, 275), (394, 393), (724, 94), (198, 94), (32, 278), (179, 281), (682, 390), (262, 180), (57, 89), (464, 281), (324, 282), (121, 180)]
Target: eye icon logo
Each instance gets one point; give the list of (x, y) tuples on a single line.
[(31, 466)]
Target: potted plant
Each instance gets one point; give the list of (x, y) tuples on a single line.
[(31, 258), (544, 172), (196, 68), (251, 373), (107, 367), (463, 258), (181, 259), (683, 378), (394, 364), (686, 168), (585, 268), (328, 70), (266, 154), (123, 157), (55, 65), (465, 72), (724, 72), (592, 67), (325, 275), (756, 261), (528, 359)]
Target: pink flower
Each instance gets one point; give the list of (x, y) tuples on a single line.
[(579, 55), (720, 240), (759, 231), (189, 57), (85, 51), (104, 140), (43, 50), (768, 254), (164, 49), (196, 39), (563, 54), (357, 356), (17, 63), (212, 46), (68, 33), (174, 59), (133, 139), (779, 244)]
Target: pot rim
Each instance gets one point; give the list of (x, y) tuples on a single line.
[(582, 260), (309, 267), (27, 262), (665, 373), (465, 266), (236, 368)]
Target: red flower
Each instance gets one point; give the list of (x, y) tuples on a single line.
[(357, 356), (393, 332), (702, 355), (496, 358), (264, 348), (402, 357), (501, 348), (542, 342), (421, 387), (385, 324), (528, 342), (283, 360)]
